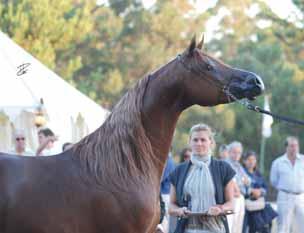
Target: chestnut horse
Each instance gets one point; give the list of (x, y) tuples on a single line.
[(109, 182)]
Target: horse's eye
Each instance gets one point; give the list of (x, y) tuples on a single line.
[(209, 67)]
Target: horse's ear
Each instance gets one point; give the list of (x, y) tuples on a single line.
[(201, 43), (192, 45)]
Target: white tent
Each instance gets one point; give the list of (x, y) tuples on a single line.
[(23, 82)]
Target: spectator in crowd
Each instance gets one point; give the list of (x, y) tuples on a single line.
[(20, 144), (241, 183), (185, 154), (160, 228), (223, 152), (287, 176), (165, 190), (256, 221), (46, 140), (204, 184), (67, 146)]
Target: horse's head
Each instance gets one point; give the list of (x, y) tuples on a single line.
[(210, 82)]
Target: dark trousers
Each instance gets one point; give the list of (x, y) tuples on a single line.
[(247, 229)]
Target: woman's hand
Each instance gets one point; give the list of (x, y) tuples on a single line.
[(215, 210), (159, 229), (182, 212), (256, 193), (245, 181)]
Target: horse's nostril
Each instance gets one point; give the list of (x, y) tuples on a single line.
[(259, 82)]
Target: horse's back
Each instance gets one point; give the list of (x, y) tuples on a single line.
[(9, 177), (32, 190), (49, 195), (10, 174), (19, 172)]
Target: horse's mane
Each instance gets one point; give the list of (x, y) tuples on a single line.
[(119, 152)]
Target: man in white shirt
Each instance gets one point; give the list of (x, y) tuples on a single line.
[(20, 144), (287, 176), (46, 139)]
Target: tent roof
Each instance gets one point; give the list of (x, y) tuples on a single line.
[(61, 100)]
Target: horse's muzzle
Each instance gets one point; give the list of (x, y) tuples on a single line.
[(246, 85)]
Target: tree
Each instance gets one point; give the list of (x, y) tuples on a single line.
[(49, 30), (104, 50)]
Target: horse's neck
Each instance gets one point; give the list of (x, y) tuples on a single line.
[(161, 109)]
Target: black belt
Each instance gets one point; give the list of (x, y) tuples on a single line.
[(290, 192)]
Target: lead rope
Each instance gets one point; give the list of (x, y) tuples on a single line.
[(258, 109)]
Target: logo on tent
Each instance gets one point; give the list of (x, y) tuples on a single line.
[(22, 69)]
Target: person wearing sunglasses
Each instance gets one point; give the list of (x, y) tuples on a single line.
[(20, 144)]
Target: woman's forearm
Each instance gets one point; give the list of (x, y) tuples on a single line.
[(227, 206), (174, 210), (229, 196)]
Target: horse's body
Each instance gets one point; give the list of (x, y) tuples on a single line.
[(46, 195), (109, 181)]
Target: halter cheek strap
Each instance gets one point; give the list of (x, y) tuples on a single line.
[(223, 88)]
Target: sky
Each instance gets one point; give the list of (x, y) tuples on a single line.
[(283, 9)]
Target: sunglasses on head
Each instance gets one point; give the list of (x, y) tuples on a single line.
[(18, 139)]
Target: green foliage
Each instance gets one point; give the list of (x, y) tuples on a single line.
[(114, 83), (49, 30), (104, 50)]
